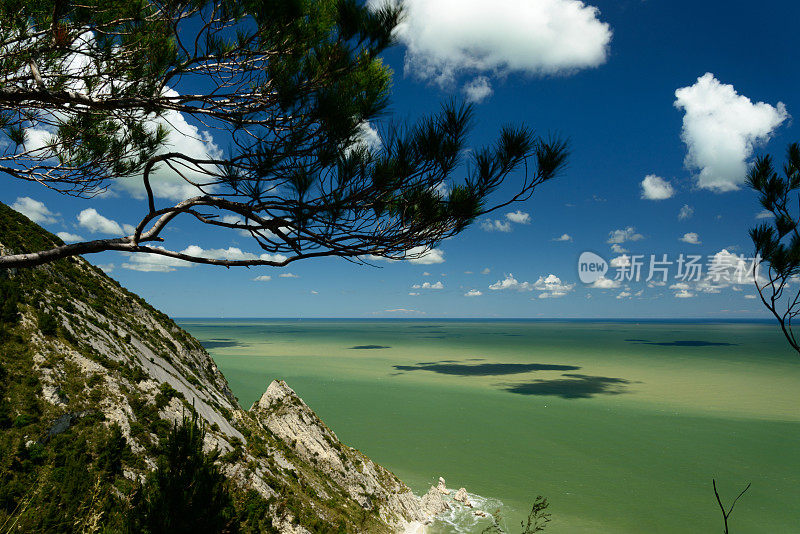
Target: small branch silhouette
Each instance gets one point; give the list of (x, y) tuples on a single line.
[(726, 515)]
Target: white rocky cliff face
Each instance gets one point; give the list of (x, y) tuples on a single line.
[(147, 371)]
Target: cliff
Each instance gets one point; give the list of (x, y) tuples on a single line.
[(86, 365)]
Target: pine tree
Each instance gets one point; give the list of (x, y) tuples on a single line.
[(290, 86)]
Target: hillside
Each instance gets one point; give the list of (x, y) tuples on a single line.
[(93, 380)]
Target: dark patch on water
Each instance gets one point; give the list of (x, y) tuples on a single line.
[(370, 347), (449, 367), (682, 343), (575, 386), (221, 343)]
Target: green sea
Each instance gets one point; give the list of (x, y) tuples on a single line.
[(621, 425)]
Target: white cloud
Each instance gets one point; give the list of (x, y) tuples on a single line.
[(428, 285), (426, 273), (509, 282), (563, 237), (314, 292), (427, 256), (288, 275), (686, 212), (142, 261), (750, 297), (34, 210), (616, 248), (519, 217), (97, 224), (186, 139), (478, 89), (67, 237), (445, 37), (262, 278), (690, 237), (486, 270), (624, 235), (413, 293), (605, 283), (624, 295), (153, 263), (552, 286), (473, 293), (107, 267), (516, 217), (764, 214), (368, 137), (684, 294), (721, 129), (490, 225), (230, 253), (656, 188), (400, 311)]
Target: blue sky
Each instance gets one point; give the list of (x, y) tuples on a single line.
[(605, 78)]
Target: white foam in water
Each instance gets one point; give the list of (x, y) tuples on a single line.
[(461, 519)]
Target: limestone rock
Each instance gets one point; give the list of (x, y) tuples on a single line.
[(286, 416), (433, 502), (462, 497), (442, 487)]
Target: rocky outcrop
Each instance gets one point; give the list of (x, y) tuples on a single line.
[(281, 412), (462, 497)]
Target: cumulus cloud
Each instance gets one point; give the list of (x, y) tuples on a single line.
[(509, 282), (489, 225), (98, 224), (764, 214), (153, 263), (446, 37), (146, 262), (34, 210), (428, 285), (262, 278), (552, 286), (478, 89), (516, 217), (67, 237), (616, 248), (563, 237), (486, 270), (624, 295), (519, 217), (473, 293), (721, 129), (656, 188), (189, 140), (605, 283), (691, 237), (686, 212), (623, 236), (429, 256)]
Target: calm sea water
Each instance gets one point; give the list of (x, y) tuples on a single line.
[(621, 425)]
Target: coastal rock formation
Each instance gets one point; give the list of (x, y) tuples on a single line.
[(434, 503), (442, 487), (462, 497), (80, 355), (282, 413)]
